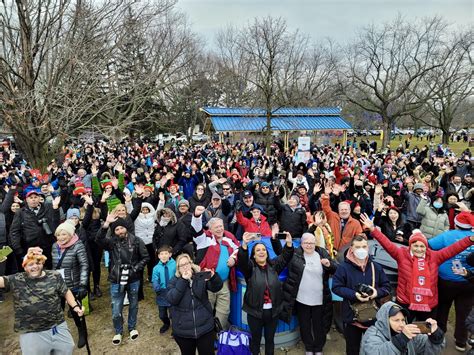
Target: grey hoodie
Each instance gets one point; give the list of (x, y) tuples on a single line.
[(377, 340)]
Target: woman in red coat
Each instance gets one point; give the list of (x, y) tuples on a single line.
[(418, 266), (255, 224)]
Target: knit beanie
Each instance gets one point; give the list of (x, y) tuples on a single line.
[(79, 189), (106, 182), (66, 226), (120, 222), (417, 236), (73, 212)]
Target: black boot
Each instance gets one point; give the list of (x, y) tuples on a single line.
[(81, 330), (97, 291)]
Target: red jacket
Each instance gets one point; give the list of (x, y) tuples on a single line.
[(251, 226), (404, 260)]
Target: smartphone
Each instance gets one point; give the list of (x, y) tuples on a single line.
[(207, 275), (256, 236), (457, 264), (424, 327), (281, 235)]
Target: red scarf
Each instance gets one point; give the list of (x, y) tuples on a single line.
[(421, 293)]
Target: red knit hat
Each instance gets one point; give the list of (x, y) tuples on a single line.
[(464, 220), (417, 236), (106, 182), (79, 189)]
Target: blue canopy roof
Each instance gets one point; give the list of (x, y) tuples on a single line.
[(283, 119), (284, 111), (258, 124)]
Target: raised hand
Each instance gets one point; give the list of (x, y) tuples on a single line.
[(199, 211), (367, 222), (317, 188), (87, 199), (56, 202)]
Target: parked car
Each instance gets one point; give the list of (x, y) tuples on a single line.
[(200, 137), (172, 138)]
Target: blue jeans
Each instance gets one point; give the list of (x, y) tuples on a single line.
[(117, 298)]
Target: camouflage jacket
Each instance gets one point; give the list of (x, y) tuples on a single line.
[(37, 301)]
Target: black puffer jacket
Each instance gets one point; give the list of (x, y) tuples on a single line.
[(130, 250), (191, 310), (75, 264), (269, 202), (258, 278), (290, 288), (293, 222), (168, 235)]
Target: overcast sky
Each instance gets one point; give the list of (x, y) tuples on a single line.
[(338, 19)]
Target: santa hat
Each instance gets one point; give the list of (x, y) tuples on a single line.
[(417, 236), (79, 189), (464, 220), (175, 185), (148, 187), (106, 182)]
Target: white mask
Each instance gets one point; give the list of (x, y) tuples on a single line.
[(360, 253)]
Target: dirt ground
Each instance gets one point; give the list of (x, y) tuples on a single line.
[(99, 324)]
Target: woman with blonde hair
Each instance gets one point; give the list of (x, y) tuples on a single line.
[(323, 233), (191, 311)]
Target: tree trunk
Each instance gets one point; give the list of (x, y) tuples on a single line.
[(445, 136), (38, 154), (386, 132), (268, 133)]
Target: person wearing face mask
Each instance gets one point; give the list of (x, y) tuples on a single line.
[(358, 268), (434, 219), (144, 228), (263, 295), (418, 266), (393, 335), (167, 233)]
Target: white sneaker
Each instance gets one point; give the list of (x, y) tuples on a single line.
[(133, 334), (126, 302), (117, 339)]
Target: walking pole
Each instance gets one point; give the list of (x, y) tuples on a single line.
[(84, 325)]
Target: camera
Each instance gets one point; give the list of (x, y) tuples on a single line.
[(124, 275), (363, 288), (43, 222)]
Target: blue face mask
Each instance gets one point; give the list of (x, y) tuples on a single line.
[(437, 204)]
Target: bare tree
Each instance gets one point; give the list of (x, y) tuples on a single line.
[(450, 85), (66, 66), (386, 65), (266, 61)]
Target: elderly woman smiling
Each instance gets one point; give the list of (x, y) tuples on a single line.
[(307, 293)]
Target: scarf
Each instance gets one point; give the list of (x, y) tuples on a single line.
[(420, 286), (360, 263), (451, 215), (73, 240)]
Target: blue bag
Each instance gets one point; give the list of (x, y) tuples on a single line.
[(233, 342)]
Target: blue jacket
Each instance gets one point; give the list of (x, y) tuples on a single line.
[(446, 239), (158, 280), (189, 185), (348, 275)]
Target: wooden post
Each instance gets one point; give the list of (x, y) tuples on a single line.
[(286, 141), (344, 138)]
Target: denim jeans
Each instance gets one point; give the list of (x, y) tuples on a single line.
[(117, 298)]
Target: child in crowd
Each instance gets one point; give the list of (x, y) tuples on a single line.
[(162, 272)]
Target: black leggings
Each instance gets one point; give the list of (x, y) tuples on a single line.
[(204, 344), (353, 337), (96, 256), (310, 319), (269, 325)]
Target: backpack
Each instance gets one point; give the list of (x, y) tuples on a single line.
[(233, 342)]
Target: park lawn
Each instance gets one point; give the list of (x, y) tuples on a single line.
[(457, 147)]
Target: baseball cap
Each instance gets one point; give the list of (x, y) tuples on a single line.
[(247, 193)]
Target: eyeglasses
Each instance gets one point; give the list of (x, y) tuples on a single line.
[(308, 243), (226, 188), (185, 264), (265, 187)]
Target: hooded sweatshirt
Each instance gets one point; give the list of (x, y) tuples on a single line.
[(145, 224), (379, 339)]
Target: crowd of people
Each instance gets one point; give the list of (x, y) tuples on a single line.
[(196, 221)]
